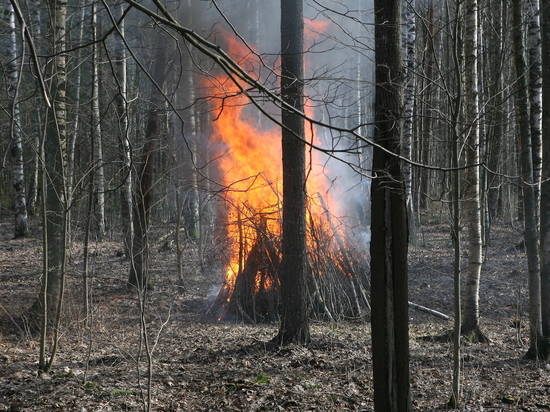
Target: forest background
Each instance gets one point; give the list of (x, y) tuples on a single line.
[(137, 129)]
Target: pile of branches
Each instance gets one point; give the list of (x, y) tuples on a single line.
[(338, 278)]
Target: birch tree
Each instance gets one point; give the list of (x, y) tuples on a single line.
[(13, 80), (409, 39), (98, 176), (472, 203), (523, 130)]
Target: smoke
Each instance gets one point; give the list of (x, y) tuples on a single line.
[(339, 88)]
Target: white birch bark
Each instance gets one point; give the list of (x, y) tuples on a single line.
[(409, 38), (17, 169), (472, 204), (98, 185), (535, 93), (528, 183)]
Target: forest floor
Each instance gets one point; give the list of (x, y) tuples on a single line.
[(200, 364)]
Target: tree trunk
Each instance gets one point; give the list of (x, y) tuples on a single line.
[(55, 161), (98, 185), (472, 204), (389, 280), (294, 317), (428, 112), (125, 153), (523, 130), (37, 124), (143, 197), (495, 114), (535, 95), (18, 172), (409, 38), (142, 207), (545, 187), (454, 401)]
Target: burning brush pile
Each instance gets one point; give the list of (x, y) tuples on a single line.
[(249, 160), (338, 272)]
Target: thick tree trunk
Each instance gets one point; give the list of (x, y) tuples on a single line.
[(294, 316), (389, 284), (545, 187)]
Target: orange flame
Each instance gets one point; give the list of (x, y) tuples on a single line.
[(251, 164)]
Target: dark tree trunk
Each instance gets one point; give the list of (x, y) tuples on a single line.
[(143, 196), (142, 206), (389, 290), (545, 187), (530, 208), (294, 316)]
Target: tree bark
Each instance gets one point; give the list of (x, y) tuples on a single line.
[(294, 317), (18, 172), (98, 184), (56, 161), (389, 271), (472, 204), (409, 39), (523, 130), (143, 196), (125, 156), (545, 187), (37, 124)]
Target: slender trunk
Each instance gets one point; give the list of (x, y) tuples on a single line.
[(123, 132), (454, 402), (143, 197), (472, 204), (535, 95), (427, 120), (495, 117), (37, 125), (13, 80), (523, 131), (409, 38), (72, 136), (98, 187)]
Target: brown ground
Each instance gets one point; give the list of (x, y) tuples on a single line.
[(202, 365)]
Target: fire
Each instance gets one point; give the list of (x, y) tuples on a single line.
[(251, 166)]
